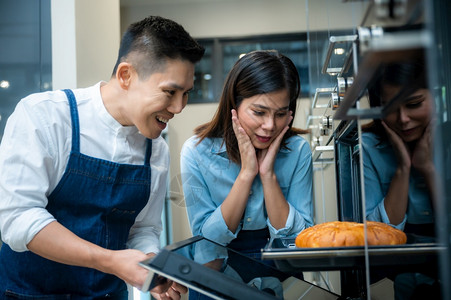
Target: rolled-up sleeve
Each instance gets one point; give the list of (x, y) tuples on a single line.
[(380, 215), (25, 162)]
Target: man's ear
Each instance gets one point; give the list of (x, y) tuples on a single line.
[(124, 74)]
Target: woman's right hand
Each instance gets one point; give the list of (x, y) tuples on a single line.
[(249, 163), (396, 199), (234, 205), (401, 150)]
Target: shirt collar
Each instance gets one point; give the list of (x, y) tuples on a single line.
[(381, 144), (105, 115), (219, 147)]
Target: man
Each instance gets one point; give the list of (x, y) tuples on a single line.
[(83, 173)]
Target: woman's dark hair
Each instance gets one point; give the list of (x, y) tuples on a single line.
[(148, 44), (256, 73), (409, 75)]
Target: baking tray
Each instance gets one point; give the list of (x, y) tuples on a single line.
[(288, 258)]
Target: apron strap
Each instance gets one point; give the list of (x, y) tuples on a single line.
[(148, 152), (75, 121), (76, 127)]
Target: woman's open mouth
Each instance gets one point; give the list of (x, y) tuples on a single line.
[(263, 139), (408, 132)]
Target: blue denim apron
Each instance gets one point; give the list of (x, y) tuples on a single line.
[(97, 200)]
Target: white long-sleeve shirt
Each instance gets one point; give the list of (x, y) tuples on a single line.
[(35, 150)]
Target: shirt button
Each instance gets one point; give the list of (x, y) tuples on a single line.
[(250, 193), (249, 219)]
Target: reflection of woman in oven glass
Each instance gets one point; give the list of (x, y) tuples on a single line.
[(247, 174), (398, 164)]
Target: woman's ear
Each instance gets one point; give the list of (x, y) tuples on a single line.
[(124, 74)]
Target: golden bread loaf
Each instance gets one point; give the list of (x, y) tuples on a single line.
[(340, 234)]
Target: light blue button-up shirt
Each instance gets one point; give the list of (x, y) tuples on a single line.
[(208, 176), (379, 168)]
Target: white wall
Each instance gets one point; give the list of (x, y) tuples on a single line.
[(64, 57), (98, 37), (85, 41)]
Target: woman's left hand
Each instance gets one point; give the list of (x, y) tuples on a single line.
[(173, 292), (267, 157), (422, 154)]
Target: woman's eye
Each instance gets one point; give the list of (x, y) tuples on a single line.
[(414, 104), (172, 93), (281, 114), (258, 113)]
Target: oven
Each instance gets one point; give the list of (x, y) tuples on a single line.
[(349, 66)]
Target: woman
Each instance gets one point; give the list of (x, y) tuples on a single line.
[(399, 169), (398, 164), (246, 174)]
